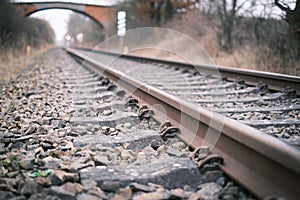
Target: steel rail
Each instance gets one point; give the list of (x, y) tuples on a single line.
[(262, 164), (275, 81)]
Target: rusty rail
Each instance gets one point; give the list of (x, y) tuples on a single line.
[(264, 165), (275, 81)]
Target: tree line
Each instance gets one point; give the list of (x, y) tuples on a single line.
[(84, 31), (229, 13), (274, 37), (17, 31), (238, 23)]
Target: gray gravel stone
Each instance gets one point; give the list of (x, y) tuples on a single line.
[(152, 195), (123, 194), (87, 197), (165, 172), (29, 188), (133, 140), (110, 186), (209, 190), (101, 160), (62, 193), (6, 195), (140, 187), (26, 163)]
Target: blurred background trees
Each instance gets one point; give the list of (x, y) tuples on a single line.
[(84, 31), (256, 34), (17, 31)]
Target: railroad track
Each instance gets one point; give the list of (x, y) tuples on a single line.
[(67, 132), (263, 164)]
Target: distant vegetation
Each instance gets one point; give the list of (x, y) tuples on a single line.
[(17, 31), (84, 31), (237, 33), (240, 33)]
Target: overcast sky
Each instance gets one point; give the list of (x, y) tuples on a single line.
[(58, 19)]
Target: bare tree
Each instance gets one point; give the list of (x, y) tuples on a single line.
[(17, 31), (160, 11), (292, 16), (227, 11)]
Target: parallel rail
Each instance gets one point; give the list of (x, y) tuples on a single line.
[(264, 165), (275, 81)]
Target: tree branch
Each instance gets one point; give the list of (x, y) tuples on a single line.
[(284, 7)]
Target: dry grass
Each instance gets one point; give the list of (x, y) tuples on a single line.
[(12, 61), (243, 58), (203, 31)]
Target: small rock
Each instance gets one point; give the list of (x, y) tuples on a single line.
[(212, 176), (6, 195), (179, 194), (155, 144), (179, 146), (17, 145), (98, 192), (71, 177), (47, 146), (52, 163), (66, 146), (105, 130), (12, 174), (152, 195), (229, 197), (86, 197), (136, 187), (231, 190), (194, 196), (125, 155), (101, 160), (123, 194), (162, 149), (210, 167), (88, 184), (29, 188), (112, 130), (22, 139), (72, 134), (141, 158), (3, 171), (43, 181), (26, 163), (73, 188), (107, 112), (110, 186), (150, 151), (59, 177), (209, 190), (20, 198), (44, 196), (2, 149), (38, 150), (221, 181), (62, 192), (127, 125), (174, 152)]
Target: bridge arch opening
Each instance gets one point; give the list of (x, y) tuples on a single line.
[(68, 9), (88, 30)]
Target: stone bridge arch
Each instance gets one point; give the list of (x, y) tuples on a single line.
[(105, 16)]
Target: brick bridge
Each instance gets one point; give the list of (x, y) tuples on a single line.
[(105, 16)]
